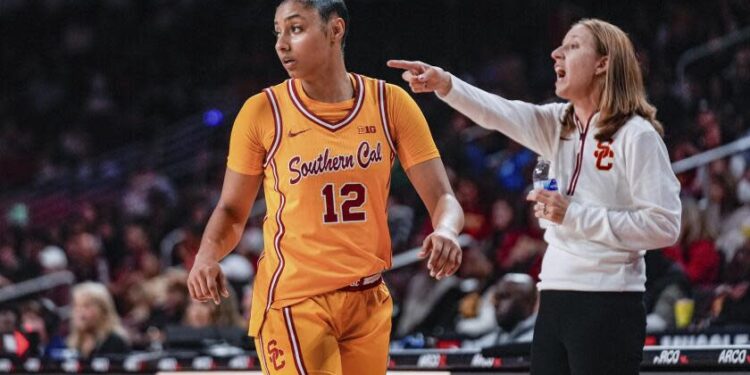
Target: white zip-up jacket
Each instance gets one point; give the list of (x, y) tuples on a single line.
[(624, 196)]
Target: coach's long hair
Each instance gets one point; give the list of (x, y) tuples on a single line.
[(623, 94)]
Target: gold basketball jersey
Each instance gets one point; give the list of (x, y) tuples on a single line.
[(326, 188)]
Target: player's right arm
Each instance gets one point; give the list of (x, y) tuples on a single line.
[(242, 181), (223, 231)]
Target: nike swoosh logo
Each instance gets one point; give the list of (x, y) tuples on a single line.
[(294, 134)]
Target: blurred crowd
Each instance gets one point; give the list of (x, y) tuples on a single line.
[(84, 80)]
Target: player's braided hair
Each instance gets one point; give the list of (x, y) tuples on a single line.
[(327, 8)]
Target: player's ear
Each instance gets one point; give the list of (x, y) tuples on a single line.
[(338, 28)]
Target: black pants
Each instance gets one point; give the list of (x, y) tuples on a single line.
[(588, 333)]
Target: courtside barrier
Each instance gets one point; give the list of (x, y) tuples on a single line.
[(501, 360)]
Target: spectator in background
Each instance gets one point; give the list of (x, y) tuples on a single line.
[(225, 314), (503, 219), (736, 225), (514, 301), (722, 198), (136, 303), (39, 321), (666, 282), (238, 271), (690, 182), (516, 243), (477, 221), (476, 312), (33, 243), (52, 259), (10, 265), (170, 305), (143, 185), (13, 341), (695, 250), (88, 261), (708, 123), (95, 325), (731, 307), (168, 300), (185, 250), (139, 263), (400, 223), (429, 306)]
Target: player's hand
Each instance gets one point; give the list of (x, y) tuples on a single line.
[(206, 280), (550, 205), (423, 77), (444, 251)]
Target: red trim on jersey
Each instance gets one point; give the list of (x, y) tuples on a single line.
[(294, 340), (262, 352), (359, 93), (383, 106), (579, 160), (278, 126), (277, 240)]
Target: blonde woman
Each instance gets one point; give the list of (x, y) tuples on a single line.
[(618, 195), (95, 326)]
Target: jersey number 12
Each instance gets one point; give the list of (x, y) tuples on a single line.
[(353, 195)]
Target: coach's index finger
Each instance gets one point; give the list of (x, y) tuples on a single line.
[(414, 66)]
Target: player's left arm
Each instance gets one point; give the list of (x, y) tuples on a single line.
[(431, 182), (421, 161)]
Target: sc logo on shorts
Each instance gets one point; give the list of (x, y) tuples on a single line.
[(276, 355)]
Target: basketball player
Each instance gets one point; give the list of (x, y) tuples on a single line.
[(322, 144)]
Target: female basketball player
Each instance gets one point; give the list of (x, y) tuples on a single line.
[(322, 144)]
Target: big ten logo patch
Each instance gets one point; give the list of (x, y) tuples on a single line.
[(604, 156), (276, 355), (366, 130)]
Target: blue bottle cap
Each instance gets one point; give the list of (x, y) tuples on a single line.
[(552, 185)]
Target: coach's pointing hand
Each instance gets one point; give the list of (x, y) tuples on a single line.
[(206, 280), (444, 252), (423, 77)]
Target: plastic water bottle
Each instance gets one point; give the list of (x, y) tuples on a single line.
[(542, 180)]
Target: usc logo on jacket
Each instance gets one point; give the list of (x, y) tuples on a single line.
[(602, 154)]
